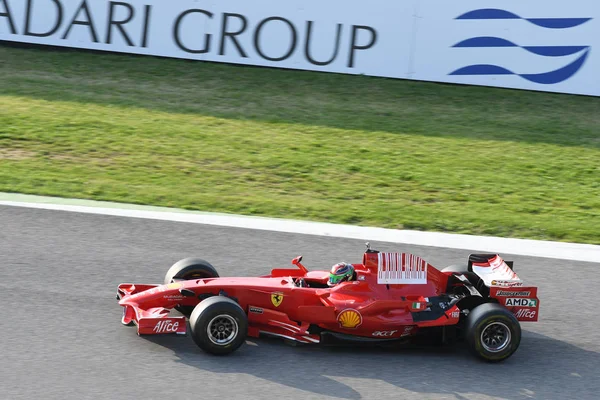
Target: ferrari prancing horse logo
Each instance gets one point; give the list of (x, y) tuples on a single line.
[(276, 299)]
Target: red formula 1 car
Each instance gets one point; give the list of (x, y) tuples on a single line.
[(390, 297)]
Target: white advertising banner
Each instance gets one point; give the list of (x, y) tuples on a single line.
[(533, 45)]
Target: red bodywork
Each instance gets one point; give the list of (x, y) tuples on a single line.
[(276, 305)]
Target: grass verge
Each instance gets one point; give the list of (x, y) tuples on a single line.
[(348, 149)]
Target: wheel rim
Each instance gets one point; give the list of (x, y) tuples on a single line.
[(222, 329), (495, 337)]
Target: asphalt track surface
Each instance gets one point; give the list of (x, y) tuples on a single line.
[(61, 336)]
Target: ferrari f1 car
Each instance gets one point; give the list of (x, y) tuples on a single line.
[(391, 297)]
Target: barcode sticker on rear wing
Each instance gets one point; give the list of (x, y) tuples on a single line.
[(401, 268)]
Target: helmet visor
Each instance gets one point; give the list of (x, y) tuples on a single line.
[(333, 279)]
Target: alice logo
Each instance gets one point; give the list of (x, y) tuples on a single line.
[(349, 319)]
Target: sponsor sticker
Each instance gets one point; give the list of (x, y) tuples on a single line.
[(524, 313), (349, 319), (521, 302), (166, 326), (508, 293), (173, 297), (506, 283), (172, 286), (276, 298), (256, 310), (455, 314), (407, 330), (384, 333)]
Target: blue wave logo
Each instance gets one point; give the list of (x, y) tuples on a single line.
[(546, 78)]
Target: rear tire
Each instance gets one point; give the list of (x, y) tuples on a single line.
[(190, 269), (218, 325), (492, 332)]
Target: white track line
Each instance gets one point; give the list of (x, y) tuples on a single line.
[(534, 248)]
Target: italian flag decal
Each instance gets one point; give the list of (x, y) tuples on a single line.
[(416, 305)]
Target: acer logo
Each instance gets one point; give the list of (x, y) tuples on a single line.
[(166, 326), (523, 313), (384, 333)]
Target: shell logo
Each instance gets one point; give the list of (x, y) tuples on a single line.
[(349, 319)]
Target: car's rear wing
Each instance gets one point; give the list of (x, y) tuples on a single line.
[(505, 285), (493, 270)]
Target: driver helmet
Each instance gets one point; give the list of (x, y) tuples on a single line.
[(340, 272)]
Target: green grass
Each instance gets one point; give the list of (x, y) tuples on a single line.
[(348, 149)]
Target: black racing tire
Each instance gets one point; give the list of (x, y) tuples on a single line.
[(214, 318), (492, 332), (189, 269)]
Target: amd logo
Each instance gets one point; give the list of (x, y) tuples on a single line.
[(521, 302)]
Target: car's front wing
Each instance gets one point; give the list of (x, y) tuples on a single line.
[(152, 321)]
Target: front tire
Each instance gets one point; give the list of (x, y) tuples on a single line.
[(218, 325), (493, 333), (191, 268)]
